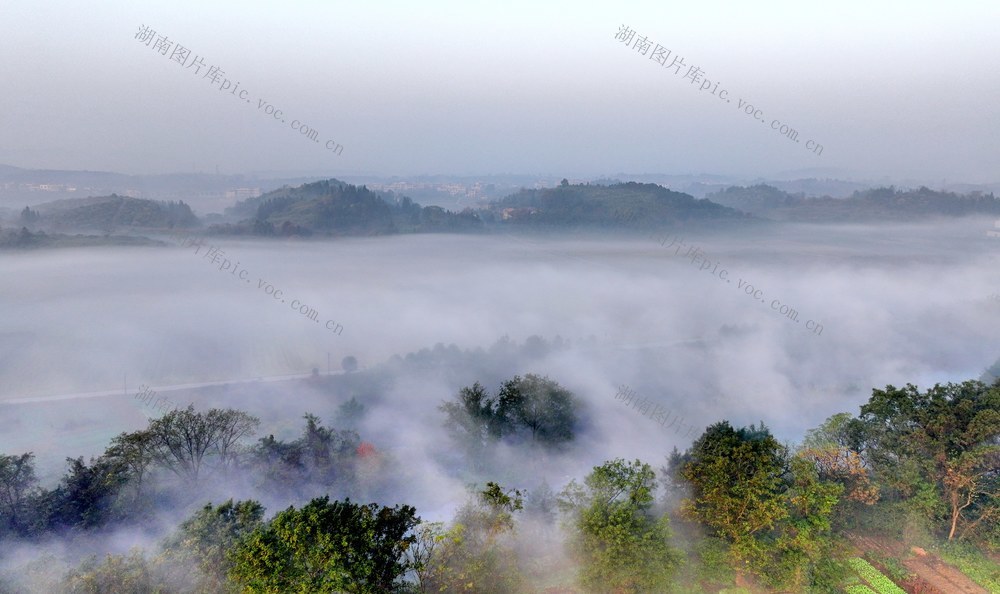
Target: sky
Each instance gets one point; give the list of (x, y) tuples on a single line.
[(897, 89)]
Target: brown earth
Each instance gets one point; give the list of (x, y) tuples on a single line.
[(932, 575)]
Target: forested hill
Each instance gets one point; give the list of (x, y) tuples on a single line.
[(335, 208), (619, 205), (888, 204), (108, 214)]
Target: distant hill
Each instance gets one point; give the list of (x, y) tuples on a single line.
[(760, 199), (22, 239), (878, 204), (621, 205), (335, 208), (108, 213)]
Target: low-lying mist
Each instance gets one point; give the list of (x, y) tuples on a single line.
[(887, 304)]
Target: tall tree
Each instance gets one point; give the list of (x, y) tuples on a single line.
[(86, 495), (532, 407), (772, 509), (947, 438), (182, 440), (17, 484), (205, 539), (621, 543), (134, 452), (737, 477), (830, 449), (539, 405), (477, 553), (472, 420), (327, 547)]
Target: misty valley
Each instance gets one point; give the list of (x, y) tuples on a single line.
[(329, 388)]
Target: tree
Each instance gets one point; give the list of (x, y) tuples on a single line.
[(829, 449), (118, 573), (327, 547), (86, 495), (29, 216), (134, 452), (946, 439), (539, 407), (736, 478), (17, 484), (477, 553), (472, 421), (621, 543), (327, 454), (320, 457), (182, 439), (350, 412), (802, 552), (349, 364), (205, 539), (542, 406), (772, 510), (421, 554)]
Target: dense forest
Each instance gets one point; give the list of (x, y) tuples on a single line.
[(875, 204), (627, 205), (335, 208), (108, 214), (736, 510)]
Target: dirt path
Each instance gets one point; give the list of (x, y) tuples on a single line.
[(934, 575)]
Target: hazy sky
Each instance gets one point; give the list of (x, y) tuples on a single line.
[(904, 89)]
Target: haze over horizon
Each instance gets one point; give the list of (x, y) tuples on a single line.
[(499, 298), (453, 89)]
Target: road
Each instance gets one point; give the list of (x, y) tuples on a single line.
[(158, 389)]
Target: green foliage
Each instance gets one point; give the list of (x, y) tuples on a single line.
[(332, 207), (531, 409), (86, 495), (630, 205), (326, 547), (184, 440), (938, 450), (713, 566), (737, 478), (321, 456), (17, 484), (973, 563), (477, 554), (621, 544), (891, 566), (538, 406), (206, 538), (350, 413), (874, 577), (871, 204), (119, 573), (773, 509), (109, 213)]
